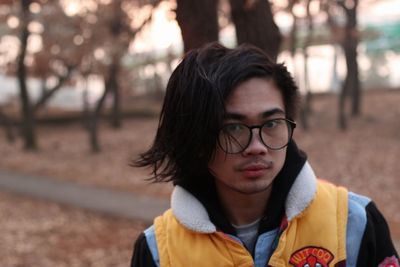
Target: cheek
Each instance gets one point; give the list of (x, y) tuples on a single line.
[(280, 157)]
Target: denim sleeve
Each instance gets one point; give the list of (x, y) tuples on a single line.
[(376, 247), (356, 225)]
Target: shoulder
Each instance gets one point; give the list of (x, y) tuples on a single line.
[(357, 213), (145, 250), (368, 236), (356, 225)]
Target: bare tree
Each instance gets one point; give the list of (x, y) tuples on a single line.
[(255, 24), (122, 34), (306, 107), (349, 44), (41, 63), (28, 129), (348, 39), (294, 43), (61, 53), (116, 37), (198, 21), (93, 121)]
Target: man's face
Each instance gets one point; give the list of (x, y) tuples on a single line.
[(253, 170)]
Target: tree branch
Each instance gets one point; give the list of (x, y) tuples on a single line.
[(50, 92), (138, 29), (147, 20)]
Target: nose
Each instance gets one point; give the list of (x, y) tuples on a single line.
[(256, 146)]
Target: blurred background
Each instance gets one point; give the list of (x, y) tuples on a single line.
[(82, 83)]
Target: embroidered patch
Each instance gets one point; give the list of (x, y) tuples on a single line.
[(311, 257), (390, 262)]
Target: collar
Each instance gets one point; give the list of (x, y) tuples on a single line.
[(191, 213)]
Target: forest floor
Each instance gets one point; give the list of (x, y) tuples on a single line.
[(363, 158)]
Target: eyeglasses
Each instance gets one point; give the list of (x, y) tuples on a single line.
[(275, 134)]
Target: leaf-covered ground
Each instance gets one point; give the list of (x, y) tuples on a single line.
[(35, 233)]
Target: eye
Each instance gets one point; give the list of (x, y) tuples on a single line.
[(234, 128), (272, 123)]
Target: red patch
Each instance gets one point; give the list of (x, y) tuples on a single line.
[(311, 257), (390, 262)]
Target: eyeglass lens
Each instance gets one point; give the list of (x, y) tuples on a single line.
[(275, 134)]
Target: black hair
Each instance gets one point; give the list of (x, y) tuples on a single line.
[(194, 107)]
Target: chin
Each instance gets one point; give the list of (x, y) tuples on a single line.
[(254, 188)]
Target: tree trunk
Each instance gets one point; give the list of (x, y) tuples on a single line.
[(352, 66), (94, 121), (85, 104), (28, 124), (306, 108), (349, 44), (254, 24), (306, 105), (198, 21), (112, 82), (352, 77), (7, 124), (112, 85), (342, 120)]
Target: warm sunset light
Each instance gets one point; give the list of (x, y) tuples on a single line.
[(199, 133), (162, 33), (72, 7)]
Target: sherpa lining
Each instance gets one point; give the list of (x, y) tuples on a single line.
[(191, 213), (302, 192)]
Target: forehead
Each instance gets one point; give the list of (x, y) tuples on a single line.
[(254, 97)]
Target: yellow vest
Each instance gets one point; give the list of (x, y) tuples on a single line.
[(316, 235)]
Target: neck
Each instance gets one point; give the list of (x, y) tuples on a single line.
[(242, 208)]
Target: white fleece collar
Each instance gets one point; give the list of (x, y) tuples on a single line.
[(191, 213), (301, 193)]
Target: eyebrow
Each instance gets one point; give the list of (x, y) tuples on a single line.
[(265, 114)]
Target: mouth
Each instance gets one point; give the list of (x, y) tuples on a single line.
[(254, 170)]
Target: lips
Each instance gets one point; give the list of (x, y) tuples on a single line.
[(254, 170)]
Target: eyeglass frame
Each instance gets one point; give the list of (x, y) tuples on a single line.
[(292, 125)]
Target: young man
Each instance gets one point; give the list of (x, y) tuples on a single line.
[(244, 194)]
